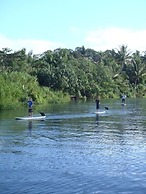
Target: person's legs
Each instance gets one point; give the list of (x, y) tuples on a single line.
[(30, 112)]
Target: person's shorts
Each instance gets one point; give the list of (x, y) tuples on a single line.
[(30, 110)]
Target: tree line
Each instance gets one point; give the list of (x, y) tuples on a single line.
[(82, 73)]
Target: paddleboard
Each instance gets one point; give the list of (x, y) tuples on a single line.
[(123, 104), (31, 118), (99, 112)]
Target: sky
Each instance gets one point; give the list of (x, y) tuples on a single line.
[(41, 25)]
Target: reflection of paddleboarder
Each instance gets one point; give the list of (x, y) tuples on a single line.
[(97, 103), (30, 127), (97, 119)]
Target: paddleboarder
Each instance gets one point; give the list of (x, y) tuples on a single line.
[(123, 99), (97, 103), (30, 107)]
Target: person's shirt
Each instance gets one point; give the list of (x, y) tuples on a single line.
[(124, 97), (30, 103), (97, 101)]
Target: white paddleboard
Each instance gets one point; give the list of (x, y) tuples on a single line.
[(99, 112), (31, 118), (123, 104)]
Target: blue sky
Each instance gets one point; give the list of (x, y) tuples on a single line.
[(49, 24)]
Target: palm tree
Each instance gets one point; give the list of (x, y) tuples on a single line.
[(136, 70), (123, 56)]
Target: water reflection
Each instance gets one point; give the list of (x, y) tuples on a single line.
[(97, 119), (77, 150), (30, 127)]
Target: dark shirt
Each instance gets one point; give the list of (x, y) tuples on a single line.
[(97, 103)]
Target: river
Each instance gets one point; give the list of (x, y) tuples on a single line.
[(75, 151)]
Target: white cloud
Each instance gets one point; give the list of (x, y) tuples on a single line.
[(37, 46), (112, 38), (99, 39)]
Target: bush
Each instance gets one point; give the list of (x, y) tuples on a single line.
[(16, 87)]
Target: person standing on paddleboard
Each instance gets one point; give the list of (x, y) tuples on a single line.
[(97, 103), (30, 107), (123, 99)]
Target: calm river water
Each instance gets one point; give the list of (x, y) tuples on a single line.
[(74, 151)]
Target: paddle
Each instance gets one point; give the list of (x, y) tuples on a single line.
[(42, 113), (106, 107)]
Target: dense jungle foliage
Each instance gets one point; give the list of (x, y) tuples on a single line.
[(83, 73)]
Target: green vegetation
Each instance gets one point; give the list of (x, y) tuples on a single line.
[(54, 76), (17, 86)]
